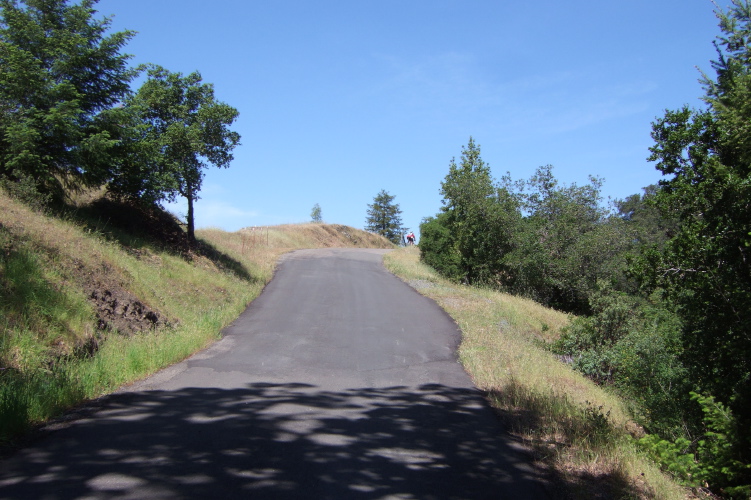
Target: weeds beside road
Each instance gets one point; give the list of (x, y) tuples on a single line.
[(63, 279), (53, 353), (574, 426)]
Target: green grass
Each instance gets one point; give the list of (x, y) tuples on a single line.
[(576, 428), (47, 322), (53, 356)]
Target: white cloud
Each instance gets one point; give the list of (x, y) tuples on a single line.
[(210, 213), (214, 213)]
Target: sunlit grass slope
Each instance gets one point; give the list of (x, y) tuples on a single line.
[(575, 427), (54, 352)]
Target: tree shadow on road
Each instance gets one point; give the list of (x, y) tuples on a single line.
[(281, 441)]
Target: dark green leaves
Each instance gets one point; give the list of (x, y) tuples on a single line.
[(59, 71), (384, 217), (176, 128), (705, 268), (536, 238)]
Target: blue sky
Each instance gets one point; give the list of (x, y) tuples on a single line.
[(340, 99)]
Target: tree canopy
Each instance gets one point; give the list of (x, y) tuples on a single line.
[(315, 213), (705, 268), (384, 217), (179, 128), (69, 119), (663, 282), (537, 238), (60, 76)]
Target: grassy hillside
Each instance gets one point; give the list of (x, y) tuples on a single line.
[(580, 430), (107, 294)]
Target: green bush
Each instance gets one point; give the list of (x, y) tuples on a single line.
[(712, 460), (674, 457), (633, 345), (437, 247), (26, 190)]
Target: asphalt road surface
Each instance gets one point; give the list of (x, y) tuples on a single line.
[(338, 382)]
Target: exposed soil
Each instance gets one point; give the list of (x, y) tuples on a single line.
[(118, 309)]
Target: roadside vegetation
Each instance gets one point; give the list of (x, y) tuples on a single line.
[(69, 119), (658, 283), (581, 430), (107, 293), (98, 285)]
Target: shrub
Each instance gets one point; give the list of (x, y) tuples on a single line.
[(438, 248), (712, 460), (633, 345)]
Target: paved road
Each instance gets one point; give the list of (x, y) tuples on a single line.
[(338, 382)]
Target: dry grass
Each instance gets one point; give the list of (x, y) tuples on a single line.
[(53, 353), (70, 256), (575, 426), (262, 245)]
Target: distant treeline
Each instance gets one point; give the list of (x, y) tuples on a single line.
[(661, 281)]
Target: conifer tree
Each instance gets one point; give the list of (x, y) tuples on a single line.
[(384, 217), (705, 155), (61, 75)]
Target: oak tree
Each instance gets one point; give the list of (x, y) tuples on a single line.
[(178, 130)]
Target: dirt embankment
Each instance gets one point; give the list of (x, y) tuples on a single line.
[(116, 307), (80, 253)]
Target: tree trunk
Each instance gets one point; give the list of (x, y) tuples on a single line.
[(191, 227)]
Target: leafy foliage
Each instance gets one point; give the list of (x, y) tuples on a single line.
[(60, 77), (632, 344), (315, 213), (704, 267), (664, 282), (25, 189), (567, 243), (178, 128), (480, 218), (644, 219), (533, 238), (713, 460), (691, 236), (438, 248), (68, 118)]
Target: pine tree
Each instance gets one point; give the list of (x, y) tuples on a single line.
[(384, 217), (61, 76), (315, 213)]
